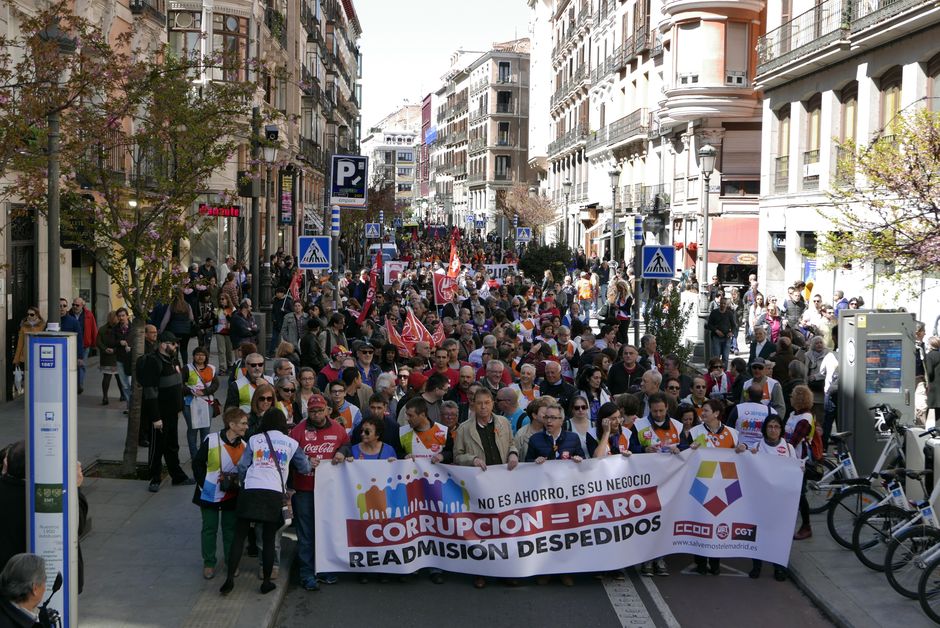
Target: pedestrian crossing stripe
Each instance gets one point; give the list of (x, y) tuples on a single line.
[(372, 230), (315, 252), (658, 262)]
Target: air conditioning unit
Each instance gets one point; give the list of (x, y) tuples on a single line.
[(736, 78), (914, 459), (688, 79), (811, 170)]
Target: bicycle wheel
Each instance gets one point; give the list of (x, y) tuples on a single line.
[(928, 590), (818, 497), (872, 533), (845, 508), (904, 563)]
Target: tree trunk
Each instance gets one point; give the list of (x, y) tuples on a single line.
[(129, 463)]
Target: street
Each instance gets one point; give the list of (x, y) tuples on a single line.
[(682, 599)]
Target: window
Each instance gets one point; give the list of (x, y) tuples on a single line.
[(405, 187), (505, 75), (736, 54), (281, 95), (933, 83), (406, 155), (811, 153), (503, 102), (782, 166), (689, 54), (185, 37), (230, 38), (890, 86), (502, 134), (405, 172), (503, 166), (845, 160)]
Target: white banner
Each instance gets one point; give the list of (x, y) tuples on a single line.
[(393, 271), (496, 271), (559, 517)]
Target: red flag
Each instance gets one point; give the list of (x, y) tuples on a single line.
[(453, 269), (444, 289), (294, 288), (370, 295), (438, 336), (414, 331), (404, 349)]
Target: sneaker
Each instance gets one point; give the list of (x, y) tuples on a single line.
[(310, 584), (647, 569), (154, 487), (803, 533), (755, 572), (208, 573), (659, 568), (328, 578), (780, 574)]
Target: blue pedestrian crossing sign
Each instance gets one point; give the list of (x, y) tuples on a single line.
[(480, 224), (470, 220), (523, 234), (373, 230), (313, 252), (659, 262)]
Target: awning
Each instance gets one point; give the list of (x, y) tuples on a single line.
[(600, 224), (733, 240)]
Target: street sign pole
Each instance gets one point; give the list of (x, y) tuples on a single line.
[(637, 272), (334, 233)]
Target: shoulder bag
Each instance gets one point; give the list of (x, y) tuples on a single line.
[(287, 511)]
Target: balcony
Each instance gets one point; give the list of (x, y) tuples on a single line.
[(154, 9), (477, 145), (508, 109), (459, 170), (655, 198), (277, 25), (811, 170), (782, 174), (476, 177), (311, 152), (844, 167), (629, 128), (821, 26), (641, 38)]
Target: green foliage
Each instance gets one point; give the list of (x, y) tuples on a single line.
[(887, 199), (537, 259), (667, 320)]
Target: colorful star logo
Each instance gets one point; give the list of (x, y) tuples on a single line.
[(706, 483)]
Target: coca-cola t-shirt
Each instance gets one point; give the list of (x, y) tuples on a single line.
[(319, 444)]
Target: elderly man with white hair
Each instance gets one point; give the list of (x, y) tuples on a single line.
[(22, 587)]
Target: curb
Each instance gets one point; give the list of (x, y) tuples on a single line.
[(819, 601)]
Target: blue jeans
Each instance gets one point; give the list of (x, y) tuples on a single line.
[(124, 381), (194, 437), (303, 520), (81, 371), (721, 347)]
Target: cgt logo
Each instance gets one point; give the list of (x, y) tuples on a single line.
[(744, 532), (716, 486)]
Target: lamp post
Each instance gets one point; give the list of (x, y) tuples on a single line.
[(564, 225), (706, 155), (270, 156), (66, 47), (614, 180)]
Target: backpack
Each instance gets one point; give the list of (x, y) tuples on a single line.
[(816, 449)]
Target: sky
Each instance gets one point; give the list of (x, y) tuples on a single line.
[(406, 44)]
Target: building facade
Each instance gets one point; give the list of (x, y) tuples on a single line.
[(393, 147), (833, 71)]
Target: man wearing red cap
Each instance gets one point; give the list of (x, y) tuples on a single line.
[(320, 438)]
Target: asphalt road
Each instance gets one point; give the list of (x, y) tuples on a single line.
[(725, 601)]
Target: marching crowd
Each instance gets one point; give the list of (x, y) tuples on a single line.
[(509, 370)]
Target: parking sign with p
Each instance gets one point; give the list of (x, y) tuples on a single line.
[(349, 184)]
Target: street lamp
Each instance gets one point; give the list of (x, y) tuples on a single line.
[(614, 180), (564, 225), (706, 155), (269, 153), (65, 48)]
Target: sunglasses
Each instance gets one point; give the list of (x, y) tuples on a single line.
[(266, 398), (288, 390), (256, 364), (757, 367), (364, 352), (579, 407), (673, 388)]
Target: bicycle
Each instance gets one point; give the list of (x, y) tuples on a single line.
[(857, 494), (820, 491), (913, 548), (876, 527)]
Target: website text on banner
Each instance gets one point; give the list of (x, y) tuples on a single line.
[(558, 517)]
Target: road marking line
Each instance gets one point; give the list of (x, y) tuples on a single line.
[(661, 605), (630, 609)]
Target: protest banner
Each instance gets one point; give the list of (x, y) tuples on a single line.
[(496, 271), (393, 270), (444, 289), (559, 517)]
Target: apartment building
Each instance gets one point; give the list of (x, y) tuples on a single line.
[(636, 89), (833, 71), (481, 137), (393, 147)]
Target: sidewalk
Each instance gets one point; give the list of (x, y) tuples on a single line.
[(143, 565), (851, 594)]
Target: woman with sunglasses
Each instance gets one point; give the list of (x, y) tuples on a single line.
[(261, 401), (754, 312), (201, 382), (591, 387), (287, 402), (32, 323)]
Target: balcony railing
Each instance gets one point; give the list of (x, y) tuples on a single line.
[(277, 25), (656, 197), (822, 25), (476, 177), (155, 9), (811, 170), (782, 174), (477, 145), (845, 166), (868, 12), (629, 127), (508, 108)]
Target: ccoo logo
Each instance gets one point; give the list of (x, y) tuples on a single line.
[(707, 486)]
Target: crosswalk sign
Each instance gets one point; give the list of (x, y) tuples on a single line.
[(313, 252), (659, 262), (523, 234), (373, 230)]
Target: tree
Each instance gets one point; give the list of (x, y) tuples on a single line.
[(140, 141), (887, 198), (537, 259), (667, 320), (534, 211)]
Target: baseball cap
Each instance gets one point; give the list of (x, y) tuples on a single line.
[(167, 336), (758, 362), (417, 380), (316, 401), (338, 349)]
